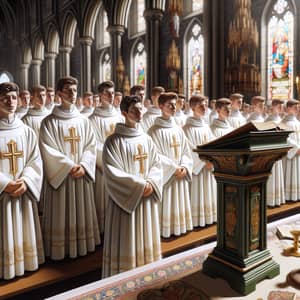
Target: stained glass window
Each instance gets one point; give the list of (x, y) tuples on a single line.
[(139, 64), (195, 61), (280, 51), (4, 78), (106, 67)]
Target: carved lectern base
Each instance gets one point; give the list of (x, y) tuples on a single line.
[(242, 282)]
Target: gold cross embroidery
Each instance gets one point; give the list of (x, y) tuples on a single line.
[(12, 156), (72, 139), (112, 129), (141, 157), (175, 144)]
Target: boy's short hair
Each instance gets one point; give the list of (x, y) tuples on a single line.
[(129, 100), (195, 99), (157, 90), (65, 80), (7, 87), (236, 96), (136, 88), (105, 85), (277, 102), (292, 102), (222, 102), (118, 94), (164, 97), (24, 92), (257, 99), (37, 89), (87, 94)]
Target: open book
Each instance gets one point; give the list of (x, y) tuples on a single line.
[(252, 136), (284, 231)]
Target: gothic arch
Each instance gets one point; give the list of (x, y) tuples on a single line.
[(8, 19), (121, 12), (26, 54), (68, 30), (38, 48), (264, 38), (132, 55), (52, 40), (90, 17)]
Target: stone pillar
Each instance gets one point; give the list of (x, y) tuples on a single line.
[(36, 71), (24, 68), (116, 33), (86, 62), (50, 69), (64, 61), (153, 19)]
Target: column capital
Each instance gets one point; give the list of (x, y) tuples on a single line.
[(153, 14), (86, 40), (66, 49), (36, 61), (50, 55), (24, 66), (118, 29)]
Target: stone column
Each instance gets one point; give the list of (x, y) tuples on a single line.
[(64, 61), (86, 62), (116, 33), (50, 69), (153, 19), (36, 71), (24, 68)]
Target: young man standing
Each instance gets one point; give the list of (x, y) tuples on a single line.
[(221, 126), (236, 119), (204, 186), (153, 111), (25, 102), (258, 107), (173, 148), (103, 120), (21, 246), (133, 175), (38, 110), (68, 148), (291, 161), (275, 184)]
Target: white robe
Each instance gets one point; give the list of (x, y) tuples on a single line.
[(254, 116), (21, 111), (220, 128), (175, 211), (87, 111), (50, 107), (34, 118), (236, 119), (180, 118), (204, 186), (275, 184), (213, 115), (291, 162), (70, 223), (149, 117), (132, 236), (103, 122), (21, 244)]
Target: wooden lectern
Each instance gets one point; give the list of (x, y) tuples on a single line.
[(242, 161)]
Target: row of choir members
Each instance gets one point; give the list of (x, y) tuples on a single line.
[(71, 226)]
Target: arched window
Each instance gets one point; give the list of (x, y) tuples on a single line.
[(280, 56), (139, 62), (194, 60), (5, 77), (105, 70), (137, 25), (103, 44)]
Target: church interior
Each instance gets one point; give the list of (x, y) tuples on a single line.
[(209, 47)]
